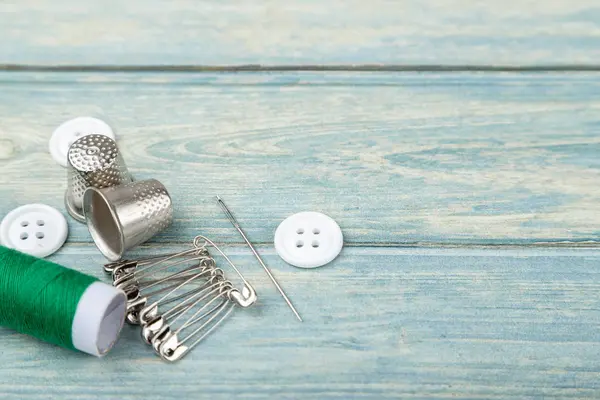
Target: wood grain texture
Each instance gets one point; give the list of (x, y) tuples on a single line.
[(394, 158), (379, 323), (163, 32), (399, 160)]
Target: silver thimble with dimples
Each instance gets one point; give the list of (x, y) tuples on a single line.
[(121, 217), (93, 161)]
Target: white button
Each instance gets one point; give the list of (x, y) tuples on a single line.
[(35, 229), (68, 132), (308, 240)]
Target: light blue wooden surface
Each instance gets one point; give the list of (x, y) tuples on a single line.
[(379, 323), (469, 202), (163, 32), (458, 161), (396, 158)]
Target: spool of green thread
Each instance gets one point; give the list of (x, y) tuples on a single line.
[(59, 305)]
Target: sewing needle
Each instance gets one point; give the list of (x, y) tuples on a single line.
[(239, 229)]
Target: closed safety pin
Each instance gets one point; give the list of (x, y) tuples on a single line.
[(179, 299)]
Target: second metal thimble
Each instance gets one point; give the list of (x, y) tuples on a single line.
[(121, 217), (93, 161)]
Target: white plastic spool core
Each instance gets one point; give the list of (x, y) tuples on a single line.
[(98, 319)]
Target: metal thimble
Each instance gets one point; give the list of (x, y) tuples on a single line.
[(121, 217), (93, 161)]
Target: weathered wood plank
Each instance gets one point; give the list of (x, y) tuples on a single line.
[(299, 32), (395, 158), (379, 323)]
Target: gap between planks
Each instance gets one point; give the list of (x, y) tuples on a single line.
[(302, 68), (593, 245)]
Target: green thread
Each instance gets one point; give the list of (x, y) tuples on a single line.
[(38, 297)]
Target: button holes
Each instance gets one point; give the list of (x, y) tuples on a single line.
[(316, 231), (40, 222), (300, 231), (315, 244), (39, 235), (299, 243), (24, 236), (24, 223)]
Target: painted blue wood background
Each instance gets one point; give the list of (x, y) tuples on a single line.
[(469, 201), (209, 32)]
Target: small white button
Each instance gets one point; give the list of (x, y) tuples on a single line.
[(68, 132), (35, 229), (308, 240)]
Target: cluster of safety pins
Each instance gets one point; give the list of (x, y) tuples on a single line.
[(176, 299), (179, 299)]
